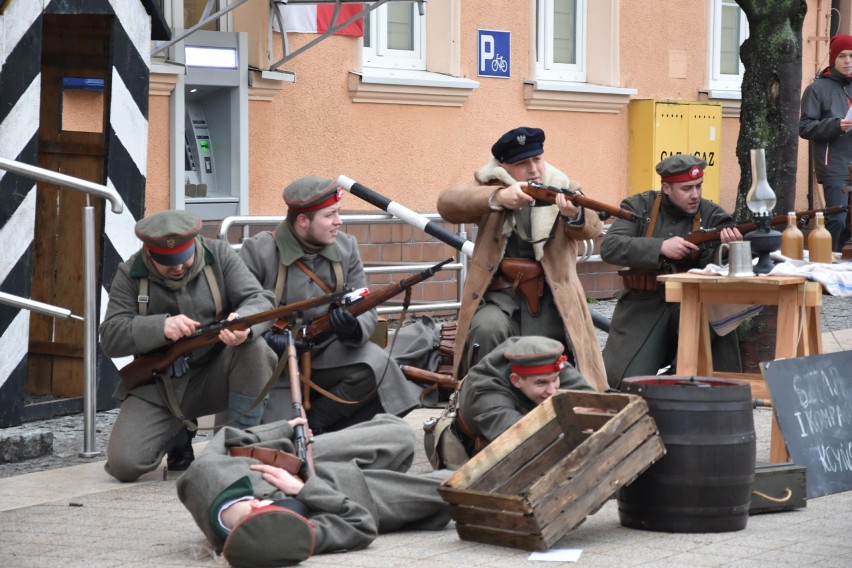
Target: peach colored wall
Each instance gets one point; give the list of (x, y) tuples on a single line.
[(410, 152), (157, 182)]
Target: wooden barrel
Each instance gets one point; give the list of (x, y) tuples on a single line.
[(703, 483)]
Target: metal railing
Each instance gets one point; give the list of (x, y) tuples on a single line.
[(90, 312), (246, 221)]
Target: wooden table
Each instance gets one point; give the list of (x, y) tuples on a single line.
[(797, 331)]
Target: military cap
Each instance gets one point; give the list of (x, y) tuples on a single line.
[(518, 144), (270, 536), (681, 167), (312, 193), (169, 236), (534, 355)]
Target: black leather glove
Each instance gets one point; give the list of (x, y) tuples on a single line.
[(344, 325), (276, 341)]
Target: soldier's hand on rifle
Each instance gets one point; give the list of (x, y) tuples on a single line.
[(344, 324), (511, 197), (179, 326), (567, 208), (233, 337), (730, 234), (286, 482), (676, 248)]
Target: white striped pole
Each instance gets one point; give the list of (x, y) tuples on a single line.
[(415, 219)]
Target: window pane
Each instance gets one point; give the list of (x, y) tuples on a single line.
[(729, 43), (194, 9), (564, 31), (367, 25), (400, 26)]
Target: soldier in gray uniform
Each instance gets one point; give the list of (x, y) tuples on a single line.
[(261, 515), (307, 255), (176, 283), (643, 333), (509, 382)]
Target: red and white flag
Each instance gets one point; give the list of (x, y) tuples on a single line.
[(316, 19)]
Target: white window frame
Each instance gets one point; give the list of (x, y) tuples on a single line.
[(379, 55), (546, 68), (718, 80)]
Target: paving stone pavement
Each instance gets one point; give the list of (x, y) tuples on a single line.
[(76, 516)]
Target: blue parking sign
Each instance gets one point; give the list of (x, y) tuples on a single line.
[(494, 54)]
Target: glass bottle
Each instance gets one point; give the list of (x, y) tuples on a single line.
[(792, 239), (819, 242)]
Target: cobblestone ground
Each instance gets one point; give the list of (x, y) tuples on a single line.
[(68, 435)]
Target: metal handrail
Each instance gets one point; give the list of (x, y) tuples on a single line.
[(90, 312)]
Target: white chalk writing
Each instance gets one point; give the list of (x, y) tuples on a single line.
[(835, 459)]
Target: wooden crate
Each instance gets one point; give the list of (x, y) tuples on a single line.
[(553, 468)]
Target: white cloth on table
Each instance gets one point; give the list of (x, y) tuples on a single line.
[(724, 318), (836, 278)]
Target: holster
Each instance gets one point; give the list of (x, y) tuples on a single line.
[(638, 279), (525, 276), (277, 458)]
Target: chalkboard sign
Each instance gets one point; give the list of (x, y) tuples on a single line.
[(812, 398)]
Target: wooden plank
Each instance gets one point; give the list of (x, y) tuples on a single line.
[(527, 456), (485, 500), (600, 492), (504, 520), (501, 538), (58, 349), (538, 466), (603, 448), (503, 445)]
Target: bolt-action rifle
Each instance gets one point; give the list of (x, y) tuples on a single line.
[(303, 444), (548, 193), (357, 303), (146, 367), (703, 236)]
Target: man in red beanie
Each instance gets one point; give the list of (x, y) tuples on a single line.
[(825, 104)]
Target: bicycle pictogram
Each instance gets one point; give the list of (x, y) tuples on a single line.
[(499, 63)]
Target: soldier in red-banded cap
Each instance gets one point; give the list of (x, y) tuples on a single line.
[(506, 384), (643, 334), (177, 282), (308, 255)]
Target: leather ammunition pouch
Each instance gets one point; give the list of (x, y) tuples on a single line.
[(277, 458), (639, 280), (524, 276)]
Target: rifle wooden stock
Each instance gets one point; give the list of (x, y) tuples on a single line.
[(303, 447), (320, 329), (423, 376), (548, 193), (703, 236), (145, 368)]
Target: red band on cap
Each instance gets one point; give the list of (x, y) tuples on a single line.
[(172, 250), (693, 173), (540, 369), (334, 198)]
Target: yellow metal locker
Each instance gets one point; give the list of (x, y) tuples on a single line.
[(659, 129)]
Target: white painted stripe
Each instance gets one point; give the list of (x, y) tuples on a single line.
[(17, 234), (17, 21), (129, 124), (14, 344), (21, 123), (407, 215), (137, 24), (119, 230)]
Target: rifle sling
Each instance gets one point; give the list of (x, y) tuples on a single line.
[(281, 279)]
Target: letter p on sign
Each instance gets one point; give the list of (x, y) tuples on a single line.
[(494, 52)]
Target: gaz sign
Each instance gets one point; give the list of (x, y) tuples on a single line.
[(494, 52)]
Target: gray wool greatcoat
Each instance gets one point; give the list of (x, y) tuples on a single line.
[(638, 313), (361, 489), (468, 203), (262, 254), (138, 440), (489, 404)]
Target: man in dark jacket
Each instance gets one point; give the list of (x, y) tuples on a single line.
[(643, 333), (823, 121)]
